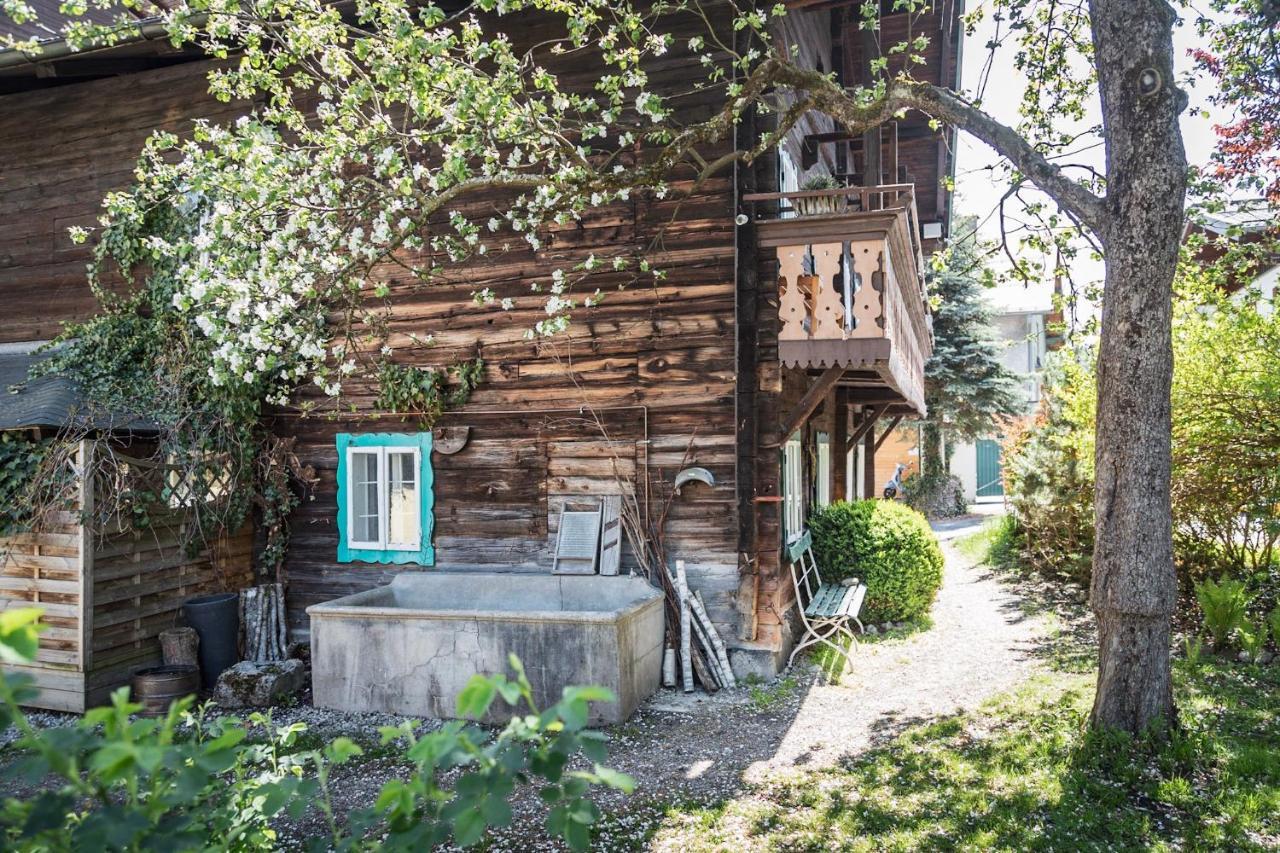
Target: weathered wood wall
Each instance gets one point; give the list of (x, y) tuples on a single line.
[(653, 363), (61, 151), (688, 361)]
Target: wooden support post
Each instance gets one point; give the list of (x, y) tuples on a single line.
[(839, 444), (866, 421), (869, 456), (815, 395), (869, 41)]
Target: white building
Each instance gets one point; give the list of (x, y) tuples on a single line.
[(1020, 316)]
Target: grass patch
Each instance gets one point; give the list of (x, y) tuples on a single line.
[(994, 543), (1024, 773), (765, 697)]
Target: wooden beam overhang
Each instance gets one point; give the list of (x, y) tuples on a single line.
[(816, 394), (868, 423), (890, 428)]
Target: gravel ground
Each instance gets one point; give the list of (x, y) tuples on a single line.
[(703, 748)]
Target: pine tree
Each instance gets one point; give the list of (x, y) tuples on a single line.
[(967, 389)]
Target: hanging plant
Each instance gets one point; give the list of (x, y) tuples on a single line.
[(427, 391)]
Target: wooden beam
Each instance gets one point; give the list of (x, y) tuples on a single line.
[(869, 463), (815, 395), (869, 418), (892, 424), (839, 443)]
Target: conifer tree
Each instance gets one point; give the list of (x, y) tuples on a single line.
[(967, 390)]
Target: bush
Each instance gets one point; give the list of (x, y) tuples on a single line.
[(116, 782), (887, 545), (935, 495), (1048, 474)]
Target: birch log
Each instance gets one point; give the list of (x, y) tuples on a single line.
[(717, 645), (686, 646), (702, 667), (700, 632), (263, 617)]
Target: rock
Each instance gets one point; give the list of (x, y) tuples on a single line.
[(1243, 657), (872, 630), (1265, 657), (251, 684)]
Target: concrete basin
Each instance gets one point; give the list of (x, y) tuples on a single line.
[(411, 646)]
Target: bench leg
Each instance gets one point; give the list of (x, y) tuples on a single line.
[(822, 633)]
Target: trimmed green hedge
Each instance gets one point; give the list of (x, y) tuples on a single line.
[(886, 544)]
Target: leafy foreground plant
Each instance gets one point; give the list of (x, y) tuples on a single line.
[(1023, 774), (185, 782), (1225, 605)]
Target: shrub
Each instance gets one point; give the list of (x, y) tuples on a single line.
[(1273, 619), (1048, 473), (935, 495), (889, 546), (184, 783), (1226, 429), (1225, 605)]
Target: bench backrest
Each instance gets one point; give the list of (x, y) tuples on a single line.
[(804, 568)]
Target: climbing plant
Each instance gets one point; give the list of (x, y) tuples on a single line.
[(426, 391)]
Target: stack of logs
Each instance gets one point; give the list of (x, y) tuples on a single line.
[(701, 652)]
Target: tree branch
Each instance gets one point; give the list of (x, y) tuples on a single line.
[(860, 114)]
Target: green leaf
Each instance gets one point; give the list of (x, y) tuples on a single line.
[(474, 699), (468, 827), (19, 634), (342, 750), (615, 779)]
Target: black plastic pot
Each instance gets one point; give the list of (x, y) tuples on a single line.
[(216, 619)]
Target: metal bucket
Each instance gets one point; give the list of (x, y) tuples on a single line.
[(157, 686)]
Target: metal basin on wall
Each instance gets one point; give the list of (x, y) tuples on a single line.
[(410, 647)]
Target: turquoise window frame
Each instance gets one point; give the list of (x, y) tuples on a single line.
[(425, 555)]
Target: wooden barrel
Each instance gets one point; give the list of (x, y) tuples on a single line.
[(157, 686)]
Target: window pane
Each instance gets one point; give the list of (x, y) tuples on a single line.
[(402, 482), (364, 497)]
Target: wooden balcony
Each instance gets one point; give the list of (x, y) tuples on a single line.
[(851, 286)]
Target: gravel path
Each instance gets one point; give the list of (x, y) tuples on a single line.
[(981, 644)]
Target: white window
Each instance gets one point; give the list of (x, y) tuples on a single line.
[(385, 508), (824, 469), (792, 489)]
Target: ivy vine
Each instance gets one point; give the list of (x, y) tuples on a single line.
[(21, 457), (427, 392)]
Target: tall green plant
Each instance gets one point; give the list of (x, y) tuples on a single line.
[(1225, 606), (967, 389), (1048, 470), (187, 781)]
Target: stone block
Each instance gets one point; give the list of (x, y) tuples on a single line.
[(251, 684)]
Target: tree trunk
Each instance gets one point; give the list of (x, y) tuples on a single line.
[(1134, 587), (932, 463)]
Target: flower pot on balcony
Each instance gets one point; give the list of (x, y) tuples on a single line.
[(815, 206)]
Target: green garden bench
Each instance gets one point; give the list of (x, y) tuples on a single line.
[(826, 610)]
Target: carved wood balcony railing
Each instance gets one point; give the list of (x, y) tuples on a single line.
[(851, 284)]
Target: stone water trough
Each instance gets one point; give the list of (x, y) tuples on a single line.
[(410, 647)]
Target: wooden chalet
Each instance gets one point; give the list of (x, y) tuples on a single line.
[(777, 354)]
